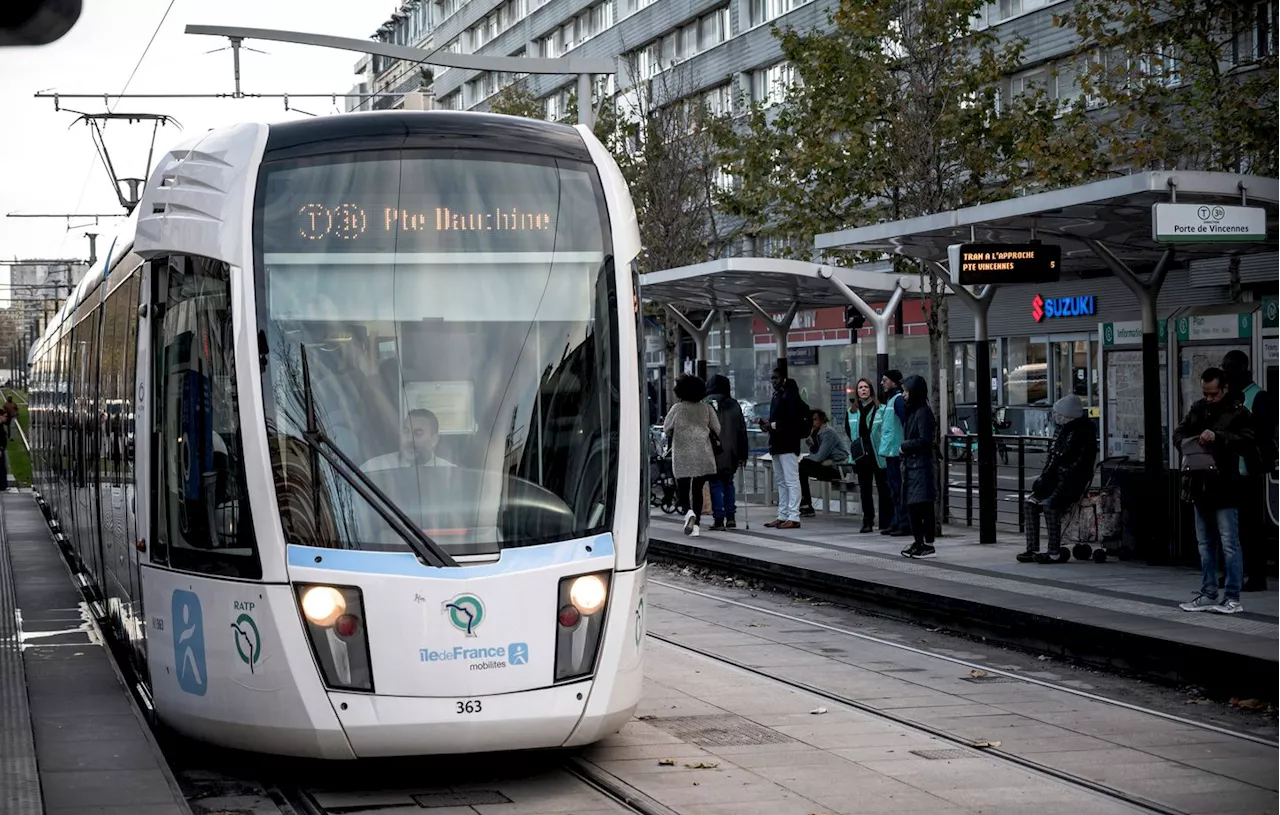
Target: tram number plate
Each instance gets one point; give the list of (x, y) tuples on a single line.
[(469, 706)]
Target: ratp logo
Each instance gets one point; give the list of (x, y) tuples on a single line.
[(1037, 308), (465, 613)]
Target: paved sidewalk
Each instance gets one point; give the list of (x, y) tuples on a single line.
[(1122, 613), (74, 739)]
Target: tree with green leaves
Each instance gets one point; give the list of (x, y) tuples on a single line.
[(889, 113), (1175, 84)]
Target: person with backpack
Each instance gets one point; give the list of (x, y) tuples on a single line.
[(787, 424), (733, 452), (1262, 409), (1216, 433)]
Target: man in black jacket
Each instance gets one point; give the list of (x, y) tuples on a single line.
[(786, 425), (1222, 426), (732, 455), (1068, 469)]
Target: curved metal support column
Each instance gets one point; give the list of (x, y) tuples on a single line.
[(1152, 423), (879, 320), (980, 304), (699, 334), (778, 328)]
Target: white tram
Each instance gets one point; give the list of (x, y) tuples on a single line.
[(385, 495)]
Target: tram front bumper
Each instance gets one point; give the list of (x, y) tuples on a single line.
[(406, 726)]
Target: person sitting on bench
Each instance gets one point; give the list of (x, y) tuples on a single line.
[(828, 449)]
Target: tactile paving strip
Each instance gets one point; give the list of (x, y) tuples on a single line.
[(19, 781), (720, 731)]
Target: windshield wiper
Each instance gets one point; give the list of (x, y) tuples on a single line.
[(427, 550)]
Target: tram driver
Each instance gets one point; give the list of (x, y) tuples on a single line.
[(419, 436)]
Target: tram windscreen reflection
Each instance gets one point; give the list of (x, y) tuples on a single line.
[(455, 314)]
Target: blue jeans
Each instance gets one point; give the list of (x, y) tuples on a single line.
[(1214, 528), (724, 496), (893, 469), (786, 476)]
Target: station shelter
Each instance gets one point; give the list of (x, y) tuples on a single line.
[(744, 315), (1125, 275)]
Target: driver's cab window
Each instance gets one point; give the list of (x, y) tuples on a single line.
[(202, 518)]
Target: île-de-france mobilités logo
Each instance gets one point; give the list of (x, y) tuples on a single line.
[(465, 613)]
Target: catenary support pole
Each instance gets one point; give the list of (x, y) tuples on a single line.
[(586, 112), (779, 328), (1153, 453)]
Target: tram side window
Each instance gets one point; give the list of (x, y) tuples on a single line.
[(201, 501)]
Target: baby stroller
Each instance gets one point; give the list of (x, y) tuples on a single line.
[(662, 479)]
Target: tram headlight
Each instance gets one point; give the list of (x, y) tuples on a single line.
[(323, 605), (333, 617), (580, 619), (587, 593)]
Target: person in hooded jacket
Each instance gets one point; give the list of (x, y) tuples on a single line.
[(1066, 474), (919, 482), (733, 453)]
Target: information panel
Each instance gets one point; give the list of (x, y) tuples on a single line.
[(976, 264)]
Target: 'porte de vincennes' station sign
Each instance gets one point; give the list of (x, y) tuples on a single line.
[(1207, 223)]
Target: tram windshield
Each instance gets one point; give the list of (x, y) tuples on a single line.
[(457, 315)]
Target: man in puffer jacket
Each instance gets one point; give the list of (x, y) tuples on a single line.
[(733, 453), (1068, 469)]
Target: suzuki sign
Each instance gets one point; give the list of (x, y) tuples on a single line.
[(1048, 308)]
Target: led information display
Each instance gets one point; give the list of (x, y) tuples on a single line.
[(993, 263), (424, 206)]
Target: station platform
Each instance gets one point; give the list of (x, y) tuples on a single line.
[(1122, 615), (72, 739)]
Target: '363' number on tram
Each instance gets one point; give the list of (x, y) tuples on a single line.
[(469, 706)]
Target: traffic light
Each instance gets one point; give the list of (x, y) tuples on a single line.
[(853, 320)]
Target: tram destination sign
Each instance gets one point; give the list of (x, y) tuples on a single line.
[(976, 264), (1207, 223)]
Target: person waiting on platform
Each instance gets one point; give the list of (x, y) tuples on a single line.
[(828, 449), (919, 448), (1220, 426), (1067, 471)]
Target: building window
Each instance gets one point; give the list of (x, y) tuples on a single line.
[(1026, 372), (769, 85), (760, 12)]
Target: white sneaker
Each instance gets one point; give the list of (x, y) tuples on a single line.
[(696, 531), (1227, 607), (689, 524), (1200, 603)]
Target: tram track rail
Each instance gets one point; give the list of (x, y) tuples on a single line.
[(295, 799), (1014, 675), (1070, 779)]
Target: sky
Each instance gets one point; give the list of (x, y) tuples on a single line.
[(48, 163)]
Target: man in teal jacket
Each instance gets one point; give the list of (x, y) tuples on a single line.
[(889, 445)]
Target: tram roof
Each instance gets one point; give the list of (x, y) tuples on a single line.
[(775, 284), (1115, 212)]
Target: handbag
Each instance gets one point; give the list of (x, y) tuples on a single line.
[(859, 447)]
